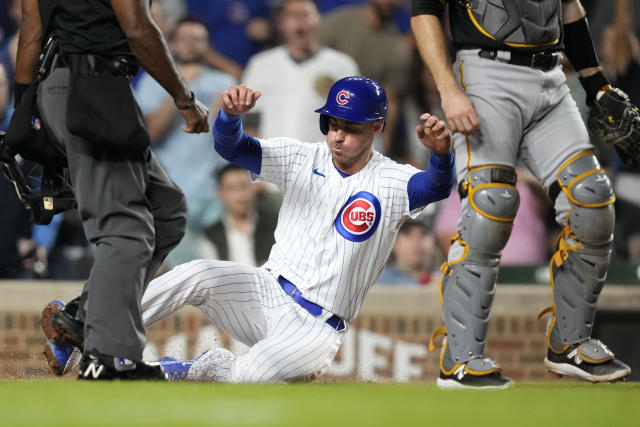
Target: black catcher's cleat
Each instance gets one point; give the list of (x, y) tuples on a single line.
[(590, 360), (461, 378)]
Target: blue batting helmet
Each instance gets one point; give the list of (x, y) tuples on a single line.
[(356, 99)]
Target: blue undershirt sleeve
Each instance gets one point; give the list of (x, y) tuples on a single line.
[(433, 184), (234, 144)]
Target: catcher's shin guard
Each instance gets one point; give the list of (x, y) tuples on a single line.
[(582, 251), (468, 284)]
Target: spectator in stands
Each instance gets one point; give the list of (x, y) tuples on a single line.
[(18, 252), (9, 46), (7, 24), (167, 13), (529, 243), (367, 33), (295, 78), (239, 28), (620, 55), (401, 17), (6, 104), (422, 95), (413, 257), (245, 232), (69, 256), (189, 159)]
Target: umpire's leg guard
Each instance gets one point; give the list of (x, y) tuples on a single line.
[(578, 268), (489, 205)]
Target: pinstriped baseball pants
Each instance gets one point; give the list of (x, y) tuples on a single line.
[(287, 342)]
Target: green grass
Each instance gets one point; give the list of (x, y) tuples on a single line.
[(70, 403)]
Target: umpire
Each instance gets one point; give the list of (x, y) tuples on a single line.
[(131, 211)]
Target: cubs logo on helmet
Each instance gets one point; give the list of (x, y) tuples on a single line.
[(359, 217), (342, 97)]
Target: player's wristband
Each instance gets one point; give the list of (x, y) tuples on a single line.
[(594, 84), (191, 102), (18, 90), (225, 117), (578, 45), (441, 161)]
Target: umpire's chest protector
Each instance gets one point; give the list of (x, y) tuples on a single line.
[(519, 23)]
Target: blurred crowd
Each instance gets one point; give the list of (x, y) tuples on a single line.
[(293, 51)]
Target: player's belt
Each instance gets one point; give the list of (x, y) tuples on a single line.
[(290, 289), (542, 60)]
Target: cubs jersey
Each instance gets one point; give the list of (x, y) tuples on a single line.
[(334, 232)]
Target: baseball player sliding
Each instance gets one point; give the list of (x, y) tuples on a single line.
[(343, 204)]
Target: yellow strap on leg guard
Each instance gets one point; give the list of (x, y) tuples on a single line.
[(442, 330), (446, 266), (563, 247), (550, 309)]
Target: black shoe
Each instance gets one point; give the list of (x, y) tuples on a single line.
[(60, 355), (100, 367), (589, 361), (462, 379), (66, 324)]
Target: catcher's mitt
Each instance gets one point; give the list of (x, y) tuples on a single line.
[(614, 120)]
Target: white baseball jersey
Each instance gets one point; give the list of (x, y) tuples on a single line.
[(292, 90), (333, 238), (334, 233)]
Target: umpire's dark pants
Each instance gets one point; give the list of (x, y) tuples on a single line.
[(131, 211)]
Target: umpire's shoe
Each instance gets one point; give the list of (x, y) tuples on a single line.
[(60, 355), (96, 366), (66, 323), (590, 360), (475, 374)]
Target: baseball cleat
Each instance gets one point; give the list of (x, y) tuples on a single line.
[(61, 356), (590, 360), (462, 379), (53, 307), (65, 324), (176, 369), (98, 367)]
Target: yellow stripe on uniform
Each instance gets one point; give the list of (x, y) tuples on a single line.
[(466, 138)]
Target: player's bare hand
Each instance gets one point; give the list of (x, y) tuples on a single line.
[(196, 118), (433, 134), (460, 112), (239, 99)]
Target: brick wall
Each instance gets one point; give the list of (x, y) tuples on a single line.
[(387, 342)]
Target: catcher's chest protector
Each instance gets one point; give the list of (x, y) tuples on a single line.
[(520, 23)]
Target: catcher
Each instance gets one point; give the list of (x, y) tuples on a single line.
[(507, 100)]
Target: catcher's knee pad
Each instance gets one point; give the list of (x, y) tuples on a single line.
[(582, 251), (487, 214), (470, 273)]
